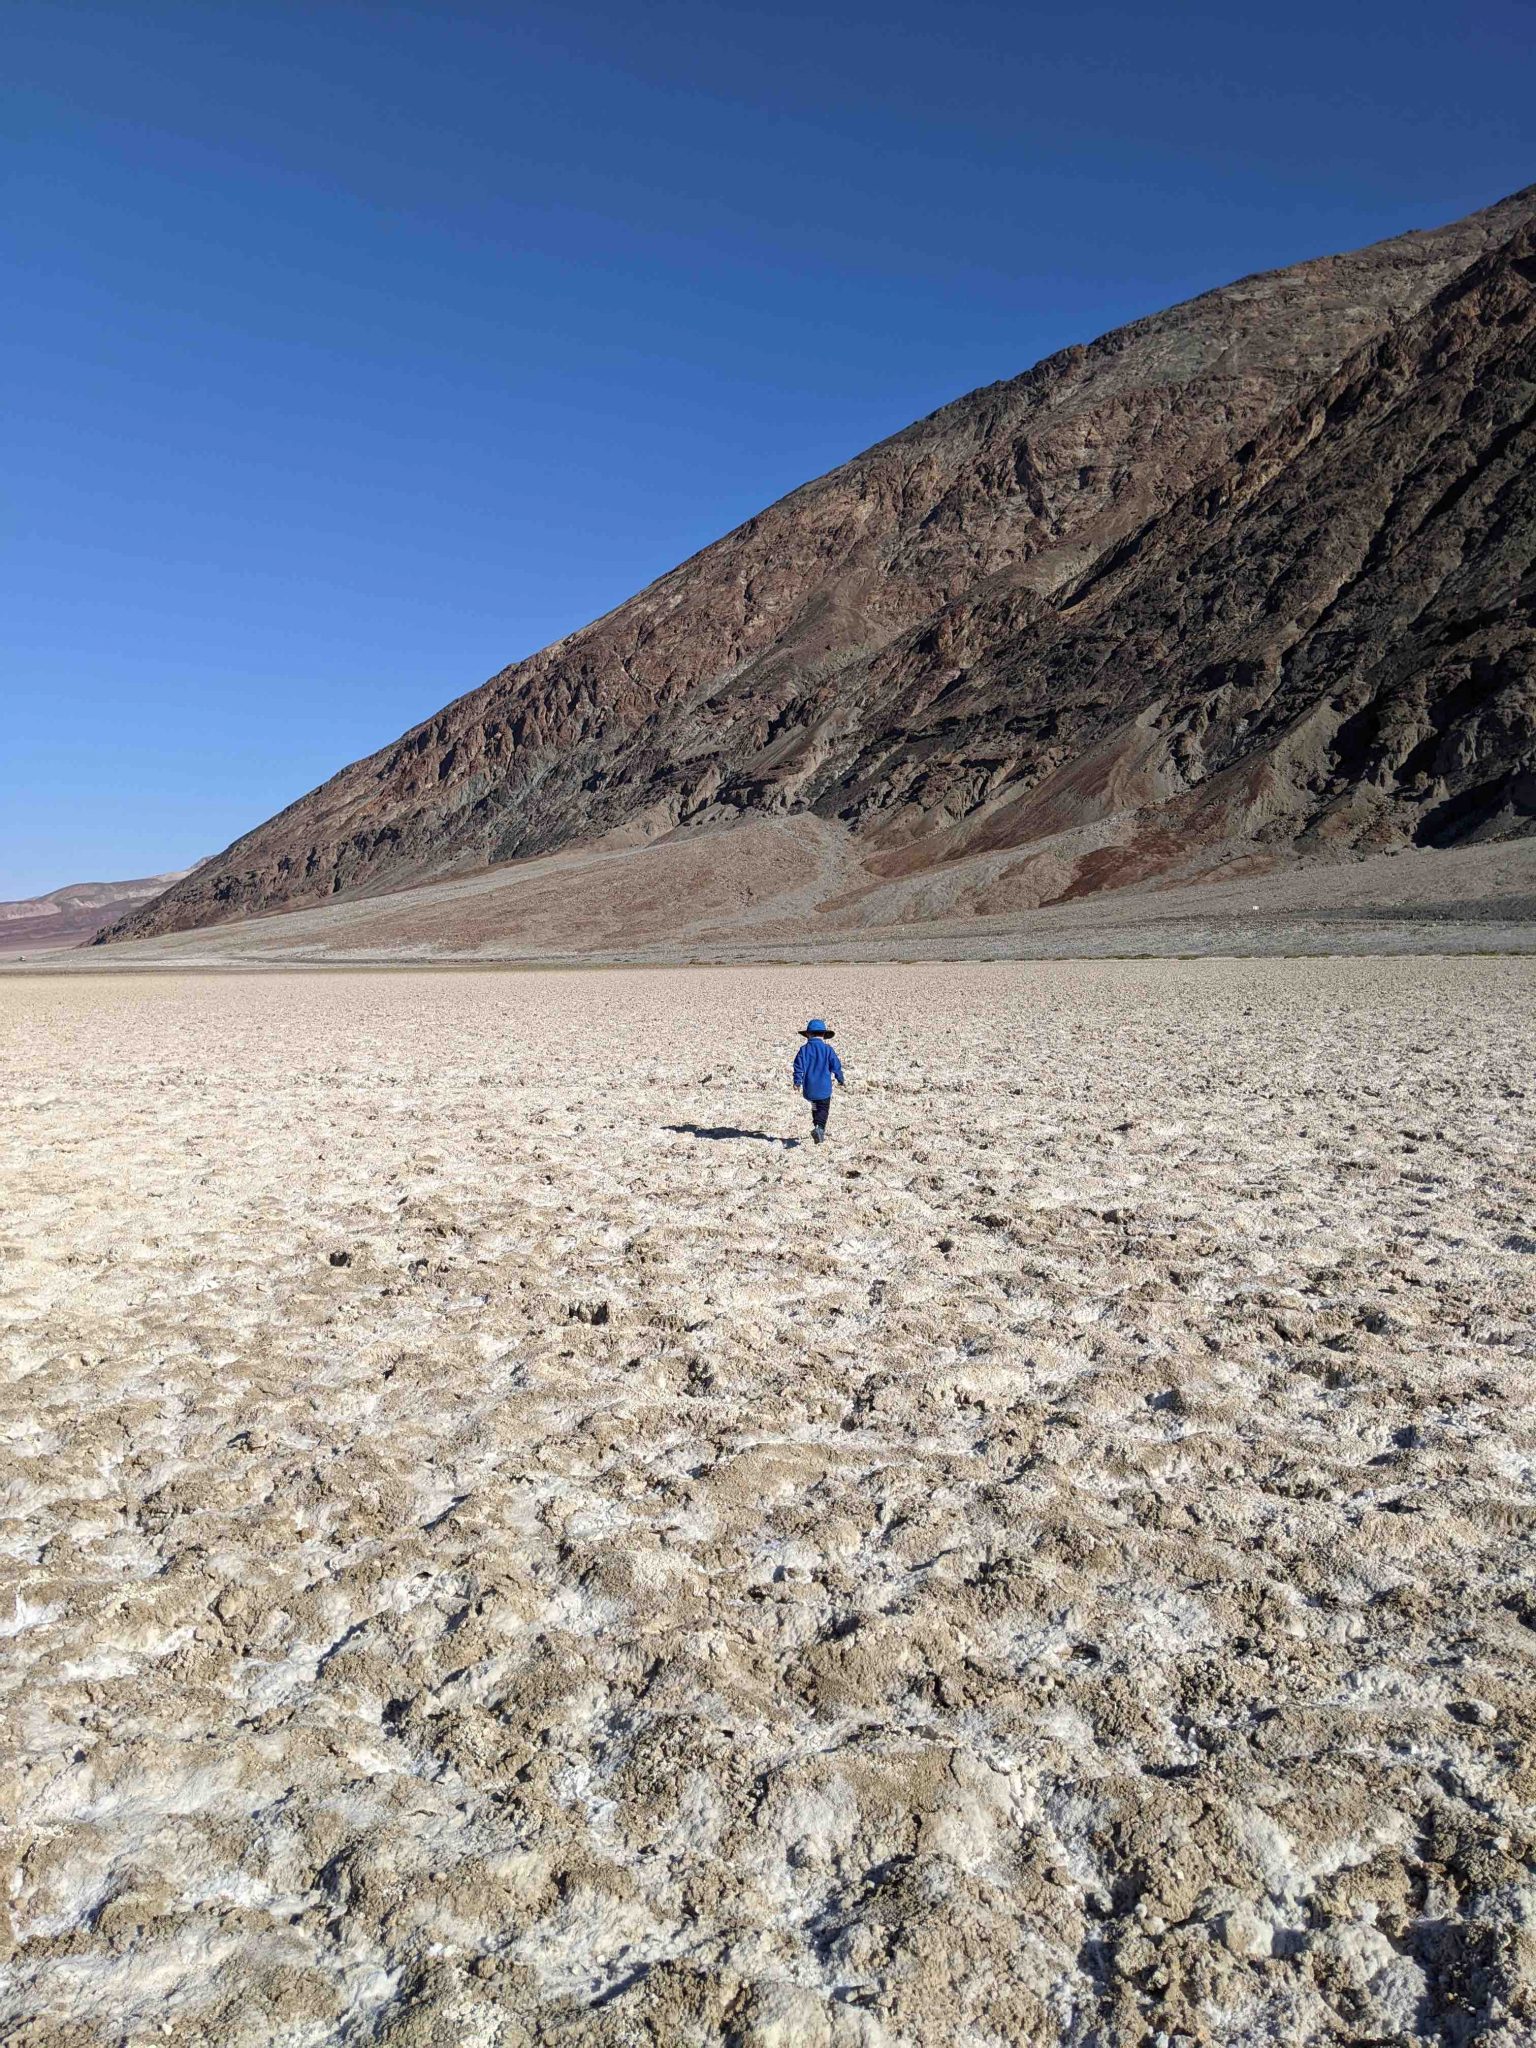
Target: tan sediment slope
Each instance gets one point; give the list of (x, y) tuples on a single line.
[(777, 888), (1054, 1565)]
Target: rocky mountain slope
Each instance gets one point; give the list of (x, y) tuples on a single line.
[(73, 914), (1247, 578)]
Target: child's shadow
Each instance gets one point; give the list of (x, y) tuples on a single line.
[(722, 1131)]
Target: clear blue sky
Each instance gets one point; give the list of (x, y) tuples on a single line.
[(351, 352)]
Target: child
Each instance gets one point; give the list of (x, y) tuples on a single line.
[(816, 1067)]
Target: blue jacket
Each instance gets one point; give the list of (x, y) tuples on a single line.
[(815, 1065)]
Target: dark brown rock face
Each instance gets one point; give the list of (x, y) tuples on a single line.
[(1255, 573)]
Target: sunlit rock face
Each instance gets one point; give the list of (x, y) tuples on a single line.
[(1250, 575)]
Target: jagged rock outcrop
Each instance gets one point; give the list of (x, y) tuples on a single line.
[(1330, 641), (1252, 573)]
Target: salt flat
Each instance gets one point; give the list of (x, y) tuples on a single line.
[(504, 1548)]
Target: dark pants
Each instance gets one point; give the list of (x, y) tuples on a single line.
[(819, 1114)]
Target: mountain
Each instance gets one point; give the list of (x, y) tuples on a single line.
[(72, 915), (1247, 581)]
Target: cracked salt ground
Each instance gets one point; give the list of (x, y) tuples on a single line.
[(1055, 1565)]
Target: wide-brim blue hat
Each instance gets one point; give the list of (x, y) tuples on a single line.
[(817, 1029)]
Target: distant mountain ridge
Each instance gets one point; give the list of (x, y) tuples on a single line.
[(1247, 577), (73, 914)]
